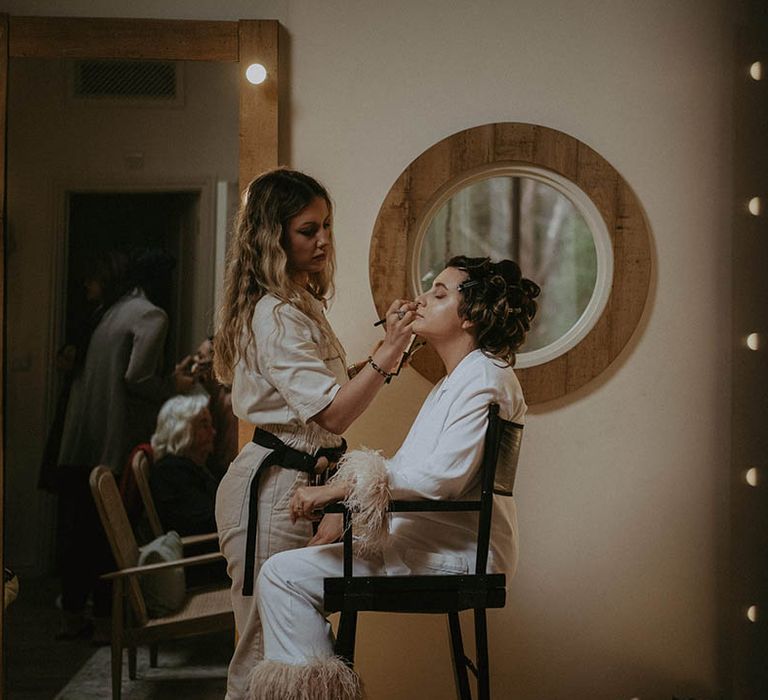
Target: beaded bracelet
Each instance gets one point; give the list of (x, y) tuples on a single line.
[(386, 375)]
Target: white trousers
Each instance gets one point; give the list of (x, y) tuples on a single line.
[(275, 533), (290, 599)]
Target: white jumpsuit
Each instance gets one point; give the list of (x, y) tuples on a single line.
[(295, 371), (439, 459)]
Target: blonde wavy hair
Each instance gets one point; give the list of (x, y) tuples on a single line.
[(257, 263)]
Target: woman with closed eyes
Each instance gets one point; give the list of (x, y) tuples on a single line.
[(476, 316)]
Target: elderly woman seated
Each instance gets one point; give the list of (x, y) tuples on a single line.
[(183, 489)]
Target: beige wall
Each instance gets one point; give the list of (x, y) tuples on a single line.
[(621, 493)]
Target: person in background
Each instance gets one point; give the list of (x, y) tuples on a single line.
[(112, 407), (104, 285), (183, 489)]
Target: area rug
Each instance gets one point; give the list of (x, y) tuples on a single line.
[(193, 669)]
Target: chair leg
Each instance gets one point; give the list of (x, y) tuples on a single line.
[(457, 656), (132, 663), (153, 655), (345, 639), (117, 638), (481, 643)]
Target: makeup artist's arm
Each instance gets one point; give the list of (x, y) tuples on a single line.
[(356, 395)]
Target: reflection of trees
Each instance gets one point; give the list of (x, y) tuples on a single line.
[(528, 221)]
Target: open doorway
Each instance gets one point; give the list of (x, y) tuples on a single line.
[(103, 221)]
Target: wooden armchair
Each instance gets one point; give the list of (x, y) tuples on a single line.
[(205, 610), (444, 594), (140, 466)]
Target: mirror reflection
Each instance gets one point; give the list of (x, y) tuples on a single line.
[(103, 157), (527, 220)]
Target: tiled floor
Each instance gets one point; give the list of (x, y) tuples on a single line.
[(38, 667)]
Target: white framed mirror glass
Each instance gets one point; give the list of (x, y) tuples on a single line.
[(546, 224)]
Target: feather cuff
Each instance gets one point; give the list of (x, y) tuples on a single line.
[(322, 679), (364, 472)]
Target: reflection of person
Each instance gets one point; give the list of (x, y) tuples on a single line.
[(112, 407), (106, 283), (475, 316), (115, 399), (183, 489), (287, 372)]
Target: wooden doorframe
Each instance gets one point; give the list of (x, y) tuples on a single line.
[(244, 42)]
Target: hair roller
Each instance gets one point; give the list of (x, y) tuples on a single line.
[(508, 269), (499, 302), (531, 289), (498, 283)]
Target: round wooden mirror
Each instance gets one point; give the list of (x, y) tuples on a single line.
[(545, 199)]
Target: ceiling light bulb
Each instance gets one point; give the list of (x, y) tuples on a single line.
[(753, 341), (754, 206), (756, 71), (750, 476)]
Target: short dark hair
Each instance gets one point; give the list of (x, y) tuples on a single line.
[(111, 269), (499, 301), (151, 268)]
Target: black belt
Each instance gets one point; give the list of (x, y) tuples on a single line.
[(287, 458)]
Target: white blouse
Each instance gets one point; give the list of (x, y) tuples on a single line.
[(293, 372), (440, 459)]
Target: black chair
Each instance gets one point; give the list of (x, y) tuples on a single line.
[(448, 594)]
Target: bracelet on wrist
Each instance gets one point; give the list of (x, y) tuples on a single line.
[(387, 375)]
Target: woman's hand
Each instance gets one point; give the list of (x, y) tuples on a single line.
[(400, 316), (182, 375), (329, 530), (309, 499)]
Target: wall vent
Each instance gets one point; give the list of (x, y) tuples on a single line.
[(126, 80)]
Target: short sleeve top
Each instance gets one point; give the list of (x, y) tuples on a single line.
[(293, 371)]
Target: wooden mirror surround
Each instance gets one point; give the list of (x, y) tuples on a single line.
[(243, 42), (473, 154)]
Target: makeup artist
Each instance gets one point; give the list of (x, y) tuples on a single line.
[(288, 374)]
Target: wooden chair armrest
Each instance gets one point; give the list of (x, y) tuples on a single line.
[(199, 539), (150, 568)]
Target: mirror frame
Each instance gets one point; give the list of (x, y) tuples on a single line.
[(601, 239), (470, 154), (244, 41)]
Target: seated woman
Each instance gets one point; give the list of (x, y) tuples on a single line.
[(183, 489), (476, 316)]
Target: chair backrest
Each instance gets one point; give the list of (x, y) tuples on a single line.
[(498, 470), (140, 466), (119, 533), (511, 436)]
